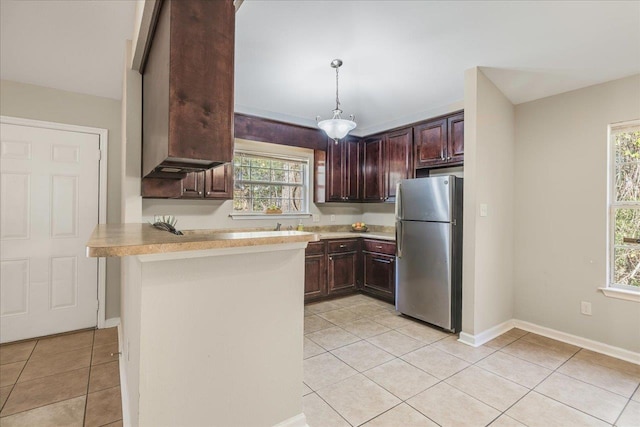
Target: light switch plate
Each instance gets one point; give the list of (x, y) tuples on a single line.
[(315, 218), (585, 308), (483, 209), (333, 218)]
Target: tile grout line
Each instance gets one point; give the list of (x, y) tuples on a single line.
[(86, 400), (13, 386)]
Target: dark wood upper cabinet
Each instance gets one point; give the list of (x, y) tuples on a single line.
[(431, 143), (193, 186), (188, 88), (398, 160), (215, 183), (440, 142), (218, 182), (387, 159), (455, 125), (342, 172), (373, 169)]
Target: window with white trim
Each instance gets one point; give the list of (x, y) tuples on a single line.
[(624, 206), (270, 183)]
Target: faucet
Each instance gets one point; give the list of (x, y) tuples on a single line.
[(278, 225)]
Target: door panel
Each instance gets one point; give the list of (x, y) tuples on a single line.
[(219, 182), (431, 143), (342, 271), (315, 277), (423, 272), (373, 170), (49, 208), (379, 273), (398, 156), (456, 138)]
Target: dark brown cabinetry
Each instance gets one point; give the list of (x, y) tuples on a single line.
[(342, 266), (335, 267), (439, 142), (387, 159), (343, 173), (379, 269), (315, 271), (214, 184), (373, 170), (188, 88)]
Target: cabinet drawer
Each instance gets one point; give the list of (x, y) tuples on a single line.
[(379, 246), (336, 246), (315, 248)]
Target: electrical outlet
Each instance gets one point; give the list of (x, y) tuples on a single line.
[(585, 308), (315, 217), (333, 218)]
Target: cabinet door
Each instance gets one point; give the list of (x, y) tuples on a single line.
[(315, 276), (379, 275), (193, 185), (352, 168), (219, 182), (335, 172), (455, 127), (373, 190), (431, 143), (399, 160), (342, 272)]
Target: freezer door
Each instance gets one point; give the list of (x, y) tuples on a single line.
[(423, 271), (426, 199)]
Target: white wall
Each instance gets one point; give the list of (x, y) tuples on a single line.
[(560, 211), (488, 171), (53, 105), (195, 214)]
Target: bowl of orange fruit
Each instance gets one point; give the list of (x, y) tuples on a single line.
[(360, 227)]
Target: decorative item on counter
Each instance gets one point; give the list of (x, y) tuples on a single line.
[(360, 227), (300, 226), (166, 223), (273, 210)]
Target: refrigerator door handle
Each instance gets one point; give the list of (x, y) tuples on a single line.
[(399, 236), (398, 200)]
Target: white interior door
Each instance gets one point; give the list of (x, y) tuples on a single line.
[(49, 197)]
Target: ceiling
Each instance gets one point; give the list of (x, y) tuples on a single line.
[(403, 60)]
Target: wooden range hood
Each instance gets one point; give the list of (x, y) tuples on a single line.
[(187, 66)]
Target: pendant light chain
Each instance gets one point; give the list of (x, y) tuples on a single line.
[(337, 98)]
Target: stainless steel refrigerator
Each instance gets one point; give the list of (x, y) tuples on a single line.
[(429, 250)]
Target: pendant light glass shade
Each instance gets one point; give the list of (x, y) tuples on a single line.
[(336, 127)]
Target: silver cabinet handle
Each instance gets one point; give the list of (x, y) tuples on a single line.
[(384, 261), (343, 246), (199, 192), (378, 247), (399, 235), (449, 158)]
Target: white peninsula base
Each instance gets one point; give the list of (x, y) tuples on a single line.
[(214, 337)]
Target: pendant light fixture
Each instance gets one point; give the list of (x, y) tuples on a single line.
[(337, 128)]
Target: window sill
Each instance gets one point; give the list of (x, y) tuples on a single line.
[(243, 216), (621, 294)]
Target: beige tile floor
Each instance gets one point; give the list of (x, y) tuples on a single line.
[(65, 380), (364, 364)]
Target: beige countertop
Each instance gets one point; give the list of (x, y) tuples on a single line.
[(119, 240), (352, 235)]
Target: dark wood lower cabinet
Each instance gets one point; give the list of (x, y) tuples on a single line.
[(342, 270), (315, 271), (338, 267)]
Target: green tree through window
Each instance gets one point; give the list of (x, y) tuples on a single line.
[(625, 206), (264, 181)]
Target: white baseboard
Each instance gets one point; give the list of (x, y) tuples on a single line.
[(299, 420), (111, 323), (485, 336), (598, 347), (491, 333), (124, 391)]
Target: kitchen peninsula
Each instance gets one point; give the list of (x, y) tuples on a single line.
[(212, 323)]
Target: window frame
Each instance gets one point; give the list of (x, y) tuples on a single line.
[(613, 289), (306, 191)]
